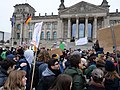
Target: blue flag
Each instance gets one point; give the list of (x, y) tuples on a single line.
[(12, 21)]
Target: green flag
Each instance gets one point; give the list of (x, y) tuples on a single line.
[(61, 46)]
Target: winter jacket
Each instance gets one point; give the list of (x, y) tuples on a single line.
[(95, 86), (47, 79), (112, 84), (3, 76), (77, 76)]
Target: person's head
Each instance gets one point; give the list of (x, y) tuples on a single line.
[(92, 58), (97, 75), (17, 57), (55, 56), (53, 64), (43, 56), (63, 82), (109, 66), (75, 60), (8, 65), (16, 80)]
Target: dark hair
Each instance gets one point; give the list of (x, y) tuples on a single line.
[(5, 64), (62, 82), (74, 60), (51, 62), (91, 59)]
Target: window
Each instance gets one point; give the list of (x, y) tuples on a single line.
[(30, 35), (54, 35), (54, 26), (48, 26), (81, 30), (18, 26), (18, 35), (48, 35), (42, 35)]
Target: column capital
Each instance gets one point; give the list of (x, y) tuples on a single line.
[(76, 16), (95, 17), (86, 16)]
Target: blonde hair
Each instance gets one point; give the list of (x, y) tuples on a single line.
[(14, 80)]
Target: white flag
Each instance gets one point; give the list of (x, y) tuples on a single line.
[(36, 34), (81, 41)]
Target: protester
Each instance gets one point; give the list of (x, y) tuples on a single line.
[(75, 72), (15, 81), (97, 80), (49, 75), (112, 78), (41, 65), (6, 66), (63, 82)]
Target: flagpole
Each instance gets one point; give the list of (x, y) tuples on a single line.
[(12, 26), (115, 46), (12, 34), (33, 71), (21, 32)]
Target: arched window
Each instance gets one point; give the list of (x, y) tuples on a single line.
[(54, 35), (30, 35), (48, 35), (42, 35), (18, 26)]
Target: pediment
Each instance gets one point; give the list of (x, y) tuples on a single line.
[(83, 7)]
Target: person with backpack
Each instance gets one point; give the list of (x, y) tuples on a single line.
[(75, 72)]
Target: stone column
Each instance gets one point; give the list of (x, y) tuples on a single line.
[(45, 32), (86, 27), (21, 32), (59, 29), (69, 28), (106, 21), (95, 29), (77, 27)]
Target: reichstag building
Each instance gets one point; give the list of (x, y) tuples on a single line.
[(77, 21)]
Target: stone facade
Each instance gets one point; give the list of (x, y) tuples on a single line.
[(80, 20)]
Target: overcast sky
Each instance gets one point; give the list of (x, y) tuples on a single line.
[(42, 6)]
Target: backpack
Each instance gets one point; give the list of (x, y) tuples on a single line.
[(79, 82)]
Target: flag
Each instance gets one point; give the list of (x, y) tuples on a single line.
[(81, 41), (36, 34), (12, 22), (28, 20)]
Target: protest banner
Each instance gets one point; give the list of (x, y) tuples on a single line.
[(55, 51), (81, 41), (109, 36)]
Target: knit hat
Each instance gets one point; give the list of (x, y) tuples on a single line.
[(10, 56), (75, 53), (109, 66), (55, 56), (97, 73)]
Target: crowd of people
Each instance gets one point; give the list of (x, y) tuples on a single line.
[(73, 70)]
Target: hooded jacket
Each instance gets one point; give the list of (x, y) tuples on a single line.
[(47, 79)]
